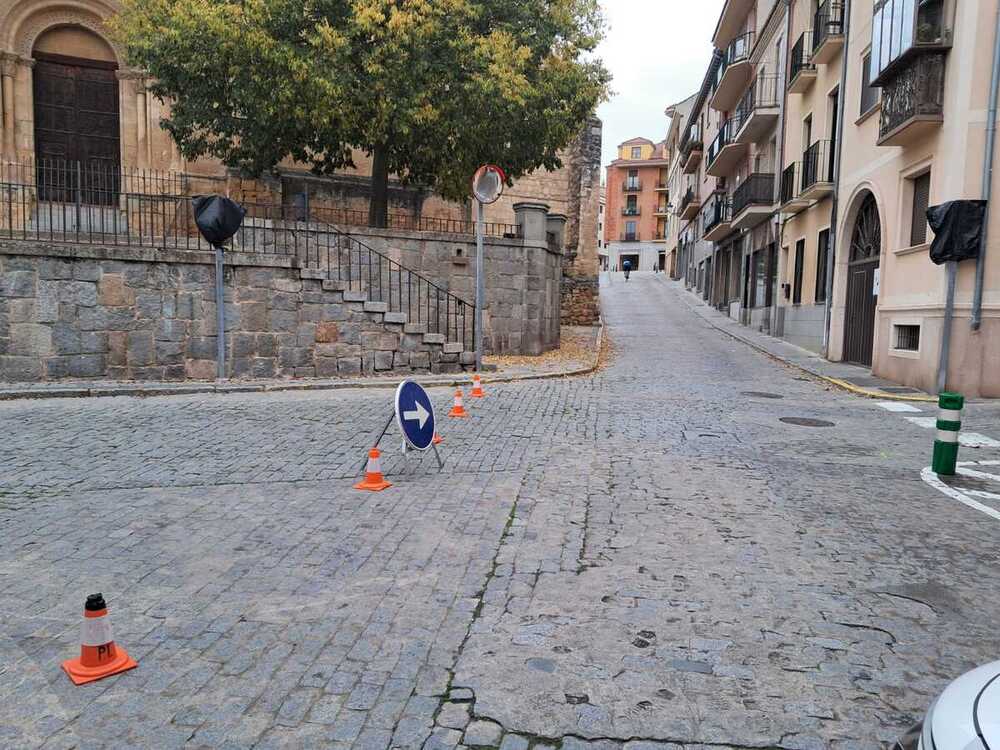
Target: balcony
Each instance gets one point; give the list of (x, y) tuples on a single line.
[(801, 70), (912, 102), (630, 211), (903, 30), (753, 200), (691, 149), (733, 74), (662, 210), (690, 205), (757, 112), (632, 186), (828, 31), (725, 154), (661, 186), (817, 171), (629, 237), (715, 217), (790, 199), (731, 21)]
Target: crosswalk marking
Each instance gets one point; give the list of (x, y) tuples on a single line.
[(896, 406)]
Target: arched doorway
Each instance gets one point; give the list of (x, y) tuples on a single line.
[(76, 115), (862, 293)]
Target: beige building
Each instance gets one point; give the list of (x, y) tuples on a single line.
[(679, 115), (807, 180), (916, 96)]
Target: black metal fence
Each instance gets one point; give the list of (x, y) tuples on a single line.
[(817, 164), (790, 183), (146, 208), (800, 58), (756, 190), (828, 21)]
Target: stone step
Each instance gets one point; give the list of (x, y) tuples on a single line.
[(376, 307), (415, 328), (452, 347), (333, 286), (312, 273), (350, 296), (434, 338), (395, 317), (467, 358)]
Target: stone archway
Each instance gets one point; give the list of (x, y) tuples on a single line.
[(864, 249)]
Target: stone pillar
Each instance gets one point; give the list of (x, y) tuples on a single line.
[(531, 219), (555, 227), (580, 264), (8, 76), (142, 123)]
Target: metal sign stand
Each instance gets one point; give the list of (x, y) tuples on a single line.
[(480, 285), (220, 305), (385, 429)]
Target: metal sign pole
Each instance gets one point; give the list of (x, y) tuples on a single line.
[(480, 285), (220, 305)]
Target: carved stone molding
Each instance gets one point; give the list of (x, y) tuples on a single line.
[(38, 23)]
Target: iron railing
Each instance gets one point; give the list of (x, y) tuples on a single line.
[(631, 185), (739, 49), (630, 211), (916, 91), (817, 164), (762, 93), (800, 58), (756, 190), (629, 237), (790, 183), (725, 137), (146, 208), (355, 217), (715, 212), (828, 21), (689, 196), (691, 140)]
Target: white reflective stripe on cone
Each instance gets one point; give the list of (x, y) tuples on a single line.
[(96, 631), (950, 415), (947, 436)]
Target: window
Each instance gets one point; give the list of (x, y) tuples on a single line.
[(869, 93), (800, 251), (636, 152), (631, 206), (822, 250), (906, 337), (630, 231), (921, 199), (900, 25)]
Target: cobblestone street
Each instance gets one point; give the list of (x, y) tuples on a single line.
[(646, 557)]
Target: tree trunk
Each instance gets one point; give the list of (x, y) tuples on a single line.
[(378, 207)]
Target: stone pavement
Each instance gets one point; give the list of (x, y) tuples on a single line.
[(645, 557)]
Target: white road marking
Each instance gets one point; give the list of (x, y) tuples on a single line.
[(934, 481), (968, 439), (896, 406)]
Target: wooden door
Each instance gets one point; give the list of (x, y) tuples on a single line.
[(862, 297), (77, 146)]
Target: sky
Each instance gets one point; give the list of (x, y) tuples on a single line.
[(657, 51)]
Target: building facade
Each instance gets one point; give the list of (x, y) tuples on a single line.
[(637, 200), (828, 129)]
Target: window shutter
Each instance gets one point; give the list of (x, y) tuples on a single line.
[(921, 199)]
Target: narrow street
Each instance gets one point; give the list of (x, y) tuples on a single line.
[(696, 546)]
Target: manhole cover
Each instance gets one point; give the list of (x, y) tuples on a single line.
[(806, 422), (762, 394)]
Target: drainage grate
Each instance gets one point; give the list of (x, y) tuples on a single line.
[(761, 394), (806, 422)]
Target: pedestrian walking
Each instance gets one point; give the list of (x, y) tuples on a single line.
[(626, 267)]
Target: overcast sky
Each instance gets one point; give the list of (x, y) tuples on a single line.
[(657, 51)]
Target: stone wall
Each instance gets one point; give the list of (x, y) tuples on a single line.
[(146, 314), (580, 270)]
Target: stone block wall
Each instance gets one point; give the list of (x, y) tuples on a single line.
[(580, 286), (69, 312)]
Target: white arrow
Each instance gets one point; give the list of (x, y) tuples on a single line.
[(420, 415)]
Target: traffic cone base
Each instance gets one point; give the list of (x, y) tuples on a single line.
[(437, 439), (116, 661), (373, 481), (458, 410)]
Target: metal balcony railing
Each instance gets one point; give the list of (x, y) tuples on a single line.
[(828, 21), (763, 93), (691, 140), (630, 211), (755, 190), (917, 90), (817, 164), (715, 212), (631, 185), (724, 137), (739, 49), (629, 237), (800, 58), (689, 196), (790, 183)]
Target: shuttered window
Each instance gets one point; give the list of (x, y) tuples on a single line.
[(921, 199), (823, 248), (869, 93), (800, 251)]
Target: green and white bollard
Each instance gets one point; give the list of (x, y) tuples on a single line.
[(949, 423)]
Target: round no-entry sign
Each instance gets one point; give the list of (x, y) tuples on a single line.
[(415, 415)]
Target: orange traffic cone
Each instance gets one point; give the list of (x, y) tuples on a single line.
[(373, 480), (437, 439), (458, 410), (477, 387), (99, 656)]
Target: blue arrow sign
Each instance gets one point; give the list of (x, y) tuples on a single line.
[(415, 415)]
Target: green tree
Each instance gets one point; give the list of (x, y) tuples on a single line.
[(430, 89)]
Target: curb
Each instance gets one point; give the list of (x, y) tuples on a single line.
[(837, 382), (185, 389)]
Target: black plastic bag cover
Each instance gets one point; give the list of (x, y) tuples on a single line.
[(957, 227), (218, 218)]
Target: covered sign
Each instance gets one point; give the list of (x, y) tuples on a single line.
[(958, 228), (218, 217)]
